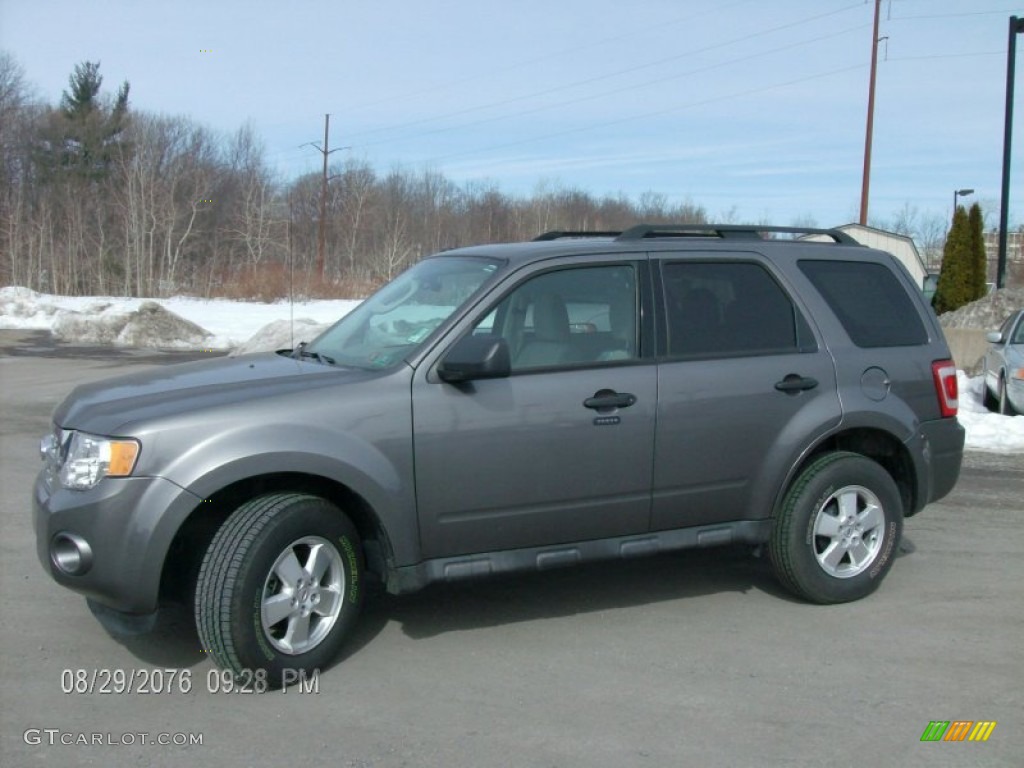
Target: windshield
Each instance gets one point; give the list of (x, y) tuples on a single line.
[(400, 316)]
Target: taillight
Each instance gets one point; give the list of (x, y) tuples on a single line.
[(944, 374)]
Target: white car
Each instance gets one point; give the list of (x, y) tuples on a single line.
[(1004, 366)]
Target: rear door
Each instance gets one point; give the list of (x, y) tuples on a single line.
[(744, 382)]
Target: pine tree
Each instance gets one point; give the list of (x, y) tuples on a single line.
[(956, 278), (979, 264), (82, 134)]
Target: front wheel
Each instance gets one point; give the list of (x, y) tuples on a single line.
[(279, 587), (838, 530), (1004, 399), (990, 401)]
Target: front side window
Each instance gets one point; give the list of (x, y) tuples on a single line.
[(1018, 336), (731, 309), (392, 323), (583, 315)]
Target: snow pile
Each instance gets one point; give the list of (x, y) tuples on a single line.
[(280, 334), (986, 431), (149, 326), (22, 308), (229, 323), (987, 313)]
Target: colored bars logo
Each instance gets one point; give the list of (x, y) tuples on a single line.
[(958, 730)]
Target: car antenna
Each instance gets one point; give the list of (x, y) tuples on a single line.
[(291, 285)]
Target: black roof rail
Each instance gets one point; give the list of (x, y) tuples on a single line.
[(560, 234), (727, 231)]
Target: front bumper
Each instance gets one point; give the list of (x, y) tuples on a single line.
[(127, 526)]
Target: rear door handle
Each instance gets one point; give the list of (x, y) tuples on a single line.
[(608, 399), (794, 383)]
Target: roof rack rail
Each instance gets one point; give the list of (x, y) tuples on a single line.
[(561, 234), (727, 231)]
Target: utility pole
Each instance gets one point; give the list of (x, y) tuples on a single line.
[(322, 233), (866, 183), (1016, 27)]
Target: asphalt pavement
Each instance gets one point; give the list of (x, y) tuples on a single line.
[(693, 659)]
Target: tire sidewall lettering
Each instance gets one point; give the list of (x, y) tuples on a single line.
[(353, 568), (883, 558), (257, 621)]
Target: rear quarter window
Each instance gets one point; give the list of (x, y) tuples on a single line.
[(869, 301)]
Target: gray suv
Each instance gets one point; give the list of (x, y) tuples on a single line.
[(514, 407)]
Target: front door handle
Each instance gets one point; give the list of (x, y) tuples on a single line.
[(609, 399), (794, 383)]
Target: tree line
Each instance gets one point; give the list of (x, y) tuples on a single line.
[(98, 198)]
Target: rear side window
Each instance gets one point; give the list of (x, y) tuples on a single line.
[(732, 309), (869, 301)]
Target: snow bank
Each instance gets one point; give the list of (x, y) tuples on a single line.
[(228, 323), (148, 326), (281, 334), (986, 431), (987, 313)]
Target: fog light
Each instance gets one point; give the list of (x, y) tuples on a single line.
[(71, 554)]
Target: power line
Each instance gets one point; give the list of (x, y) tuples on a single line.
[(947, 56), (950, 15), (645, 30), (606, 94), (616, 73), (656, 113)]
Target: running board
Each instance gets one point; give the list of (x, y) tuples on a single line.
[(446, 569)]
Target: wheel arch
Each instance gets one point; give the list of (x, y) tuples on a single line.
[(193, 537), (873, 443)]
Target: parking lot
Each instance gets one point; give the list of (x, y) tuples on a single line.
[(691, 659)]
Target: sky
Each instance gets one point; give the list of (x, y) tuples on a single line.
[(753, 109)]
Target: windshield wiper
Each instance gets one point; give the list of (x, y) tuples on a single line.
[(300, 352)]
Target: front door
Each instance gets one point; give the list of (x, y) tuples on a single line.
[(562, 449)]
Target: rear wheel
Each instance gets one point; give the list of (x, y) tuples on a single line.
[(280, 587), (837, 533)]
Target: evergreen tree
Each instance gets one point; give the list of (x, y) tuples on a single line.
[(956, 278), (979, 263), (82, 134)]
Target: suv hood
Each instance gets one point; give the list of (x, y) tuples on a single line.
[(106, 407)]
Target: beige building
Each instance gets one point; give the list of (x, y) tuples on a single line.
[(900, 246)]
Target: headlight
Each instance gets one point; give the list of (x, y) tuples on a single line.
[(88, 459)]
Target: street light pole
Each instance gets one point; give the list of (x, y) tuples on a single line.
[(1016, 27)]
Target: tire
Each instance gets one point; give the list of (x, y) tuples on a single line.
[(988, 399), (838, 530), (280, 564), (1004, 399)]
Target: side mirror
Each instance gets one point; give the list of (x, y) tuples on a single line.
[(476, 357), (994, 337)]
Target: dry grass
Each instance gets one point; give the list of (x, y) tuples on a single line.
[(272, 282)]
